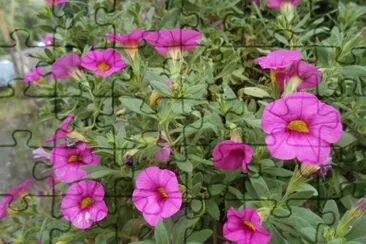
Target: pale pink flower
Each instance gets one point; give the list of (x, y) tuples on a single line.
[(12, 195), (40, 154), (63, 131), (34, 76), (84, 204), (56, 2), (66, 66), (103, 62), (231, 155), (157, 194), (48, 40), (245, 227), (169, 83), (173, 40), (301, 126), (67, 161)]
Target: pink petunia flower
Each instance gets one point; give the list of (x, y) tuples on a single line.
[(67, 161), (163, 154), (302, 75), (84, 204), (300, 126), (103, 62), (41, 154), (281, 3), (129, 41), (48, 40), (157, 194), (56, 2), (231, 155), (34, 76), (173, 41), (279, 59), (244, 227), (66, 66), (12, 195), (63, 131)]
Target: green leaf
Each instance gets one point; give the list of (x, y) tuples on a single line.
[(331, 213), (161, 235), (216, 189), (200, 236), (196, 205), (346, 139), (97, 172), (136, 105), (260, 187), (186, 166), (213, 209), (162, 87), (255, 92)]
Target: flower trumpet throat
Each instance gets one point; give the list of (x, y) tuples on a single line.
[(163, 192), (249, 225), (86, 202), (298, 126)]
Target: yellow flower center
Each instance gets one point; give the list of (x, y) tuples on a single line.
[(162, 192), (103, 67), (86, 202), (298, 126), (74, 158), (249, 225)]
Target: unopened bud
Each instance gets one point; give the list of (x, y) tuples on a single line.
[(155, 96), (308, 169), (76, 136), (236, 136)]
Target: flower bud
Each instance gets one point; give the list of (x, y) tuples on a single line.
[(155, 96)]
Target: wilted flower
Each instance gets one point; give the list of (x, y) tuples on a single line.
[(173, 41), (157, 194), (12, 195), (231, 155), (163, 154), (67, 161), (103, 62), (66, 67), (63, 131), (41, 154), (300, 126), (245, 227), (34, 76), (322, 168), (84, 204)]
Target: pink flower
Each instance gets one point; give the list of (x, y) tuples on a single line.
[(63, 131), (84, 204), (300, 126), (278, 60), (56, 2), (163, 154), (169, 83), (130, 40), (34, 76), (12, 195), (306, 75), (66, 66), (173, 40), (41, 154), (157, 194), (231, 155), (103, 62), (245, 227), (67, 161), (280, 3), (48, 40)]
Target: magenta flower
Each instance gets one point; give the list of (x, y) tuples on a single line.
[(306, 75), (278, 60), (34, 76), (300, 126), (103, 62), (66, 66), (281, 3), (67, 161), (130, 40), (84, 204), (231, 155), (12, 195), (40, 154), (63, 131), (164, 152), (48, 40), (245, 227), (157, 194), (173, 40), (56, 2)]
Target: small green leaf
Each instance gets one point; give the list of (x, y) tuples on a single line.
[(161, 235), (200, 236), (255, 92)]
